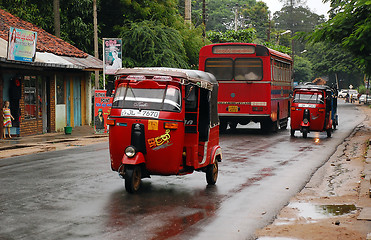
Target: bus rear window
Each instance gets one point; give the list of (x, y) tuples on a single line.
[(222, 68), (316, 98), (248, 69)]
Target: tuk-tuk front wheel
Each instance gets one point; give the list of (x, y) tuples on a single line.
[(305, 132), (133, 176), (292, 132), (212, 173)]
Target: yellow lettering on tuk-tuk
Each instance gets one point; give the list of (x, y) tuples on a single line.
[(158, 141)]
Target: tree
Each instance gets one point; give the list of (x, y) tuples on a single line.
[(297, 19), (303, 70), (245, 36), (76, 18), (150, 43), (258, 16), (331, 60), (349, 26), (220, 13)]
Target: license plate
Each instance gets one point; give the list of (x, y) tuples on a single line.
[(306, 105), (142, 113), (232, 108)]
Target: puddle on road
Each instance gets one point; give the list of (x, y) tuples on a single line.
[(310, 211)]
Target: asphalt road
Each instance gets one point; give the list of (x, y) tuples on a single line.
[(73, 194)]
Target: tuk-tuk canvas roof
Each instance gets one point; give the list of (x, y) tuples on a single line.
[(202, 79)]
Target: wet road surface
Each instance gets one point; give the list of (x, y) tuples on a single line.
[(73, 194)]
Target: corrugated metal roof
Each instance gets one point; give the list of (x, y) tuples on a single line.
[(46, 59)]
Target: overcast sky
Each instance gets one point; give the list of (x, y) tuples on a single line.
[(316, 6)]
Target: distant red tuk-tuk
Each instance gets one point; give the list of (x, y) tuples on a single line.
[(313, 108), (164, 121)]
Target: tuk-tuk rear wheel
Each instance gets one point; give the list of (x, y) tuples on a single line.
[(329, 132), (212, 173), (133, 176)]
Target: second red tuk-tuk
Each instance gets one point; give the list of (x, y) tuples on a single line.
[(312, 109), (164, 121)]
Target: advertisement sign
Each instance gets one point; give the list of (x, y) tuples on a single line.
[(21, 45), (112, 49), (102, 109)]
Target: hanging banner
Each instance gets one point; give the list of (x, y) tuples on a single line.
[(21, 45), (112, 49), (102, 109)]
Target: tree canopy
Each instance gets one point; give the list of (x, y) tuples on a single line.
[(350, 26)]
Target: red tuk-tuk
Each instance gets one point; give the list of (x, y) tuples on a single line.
[(312, 108), (164, 121)]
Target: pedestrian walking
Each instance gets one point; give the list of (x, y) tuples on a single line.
[(7, 119)]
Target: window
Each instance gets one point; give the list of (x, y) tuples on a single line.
[(30, 97), (167, 99), (60, 90), (308, 97), (222, 68), (248, 69)]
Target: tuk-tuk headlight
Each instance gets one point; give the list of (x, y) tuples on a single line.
[(305, 121), (130, 151)]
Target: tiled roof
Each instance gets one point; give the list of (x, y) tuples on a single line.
[(46, 42)]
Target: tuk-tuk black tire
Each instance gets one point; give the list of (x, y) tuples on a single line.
[(329, 132), (133, 175), (212, 173), (233, 126), (305, 133), (223, 126), (292, 132)]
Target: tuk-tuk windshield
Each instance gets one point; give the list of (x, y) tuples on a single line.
[(308, 97), (166, 99)]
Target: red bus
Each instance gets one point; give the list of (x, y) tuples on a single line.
[(255, 84)]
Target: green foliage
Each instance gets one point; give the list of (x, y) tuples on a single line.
[(303, 70), (245, 36), (150, 43), (193, 42), (258, 16), (297, 19), (349, 26), (220, 13), (362, 89), (277, 47), (76, 18), (330, 59)]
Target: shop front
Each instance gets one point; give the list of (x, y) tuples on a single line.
[(49, 88)]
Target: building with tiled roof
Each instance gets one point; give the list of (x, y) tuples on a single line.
[(51, 91)]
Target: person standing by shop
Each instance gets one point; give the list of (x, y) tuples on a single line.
[(7, 119)]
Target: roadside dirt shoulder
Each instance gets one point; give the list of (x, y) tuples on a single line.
[(335, 203)]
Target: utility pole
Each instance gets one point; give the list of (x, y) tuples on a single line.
[(96, 53), (188, 12), (57, 18), (235, 18), (204, 17)]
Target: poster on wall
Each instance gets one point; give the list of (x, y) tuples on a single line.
[(102, 109), (112, 49), (21, 45)]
